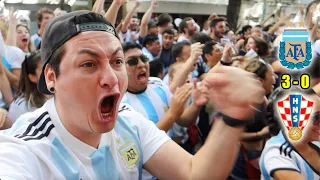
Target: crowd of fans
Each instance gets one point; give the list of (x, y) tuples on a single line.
[(166, 64)]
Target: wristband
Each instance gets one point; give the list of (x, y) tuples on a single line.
[(225, 63), (233, 122)]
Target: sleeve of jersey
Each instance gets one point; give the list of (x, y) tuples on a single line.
[(18, 57), (274, 161), (17, 162), (151, 138), (168, 92)]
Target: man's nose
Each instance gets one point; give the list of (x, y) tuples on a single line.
[(140, 64), (108, 78)]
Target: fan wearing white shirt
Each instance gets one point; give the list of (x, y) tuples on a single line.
[(84, 132)]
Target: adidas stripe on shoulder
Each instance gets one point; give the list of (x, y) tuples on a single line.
[(37, 130)]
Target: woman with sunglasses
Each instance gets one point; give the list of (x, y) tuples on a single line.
[(28, 97), (254, 137), (283, 158)]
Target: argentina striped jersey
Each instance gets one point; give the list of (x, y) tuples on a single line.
[(38, 146), (153, 102), (279, 154)]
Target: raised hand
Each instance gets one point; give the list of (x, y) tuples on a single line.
[(180, 98), (13, 18), (196, 51), (119, 2), (138, 3), (265, 131), (212, 16), (234, 91), (227, 54), (200, 96), (154, 4)]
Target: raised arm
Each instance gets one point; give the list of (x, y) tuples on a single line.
[(5, 87), (182, 74), (229, 95), (146, 17), (98, 6), (265, 20), (12, 32), (126, 21), (176, 108), (112, 12), (13, 77), (200, 97), (277, 25)]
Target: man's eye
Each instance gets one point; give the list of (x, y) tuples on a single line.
[(88, 64), (119, 61)]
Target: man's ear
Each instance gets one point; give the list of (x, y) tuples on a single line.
[(33, 78), (50, 76), (178, 59), (211, 29), (186, 30), (207, 57), (147, 46), (38, 22)]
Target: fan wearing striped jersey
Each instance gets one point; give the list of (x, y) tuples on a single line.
[(84, 133), (283, 158), (151, 97)]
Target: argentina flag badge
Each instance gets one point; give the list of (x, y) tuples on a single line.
[(295, 48)]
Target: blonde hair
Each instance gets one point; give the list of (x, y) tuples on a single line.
[(3, 29)]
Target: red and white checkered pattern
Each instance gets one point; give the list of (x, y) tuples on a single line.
[(285, 114)]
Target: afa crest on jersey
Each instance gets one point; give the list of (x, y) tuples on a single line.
[(295, 50), (295, 112)]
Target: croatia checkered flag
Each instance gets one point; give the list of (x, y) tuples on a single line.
[(295, 111)]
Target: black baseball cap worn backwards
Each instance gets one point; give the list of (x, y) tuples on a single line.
[(62, 28)]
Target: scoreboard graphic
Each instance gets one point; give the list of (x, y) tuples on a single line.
[(295, 53)]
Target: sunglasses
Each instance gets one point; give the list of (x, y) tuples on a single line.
[(133, 61)]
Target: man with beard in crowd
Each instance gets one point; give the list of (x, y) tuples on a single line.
[(187, 28), (218, 29)]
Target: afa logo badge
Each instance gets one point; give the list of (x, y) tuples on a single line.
[(130, 154), (295, 50), (295, 112)]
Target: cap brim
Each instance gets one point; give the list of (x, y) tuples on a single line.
[(42, 85)]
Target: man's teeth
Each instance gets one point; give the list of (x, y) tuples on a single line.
[(105, 114)]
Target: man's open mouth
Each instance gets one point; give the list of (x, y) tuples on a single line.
[(108, 107), (142, 76)]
